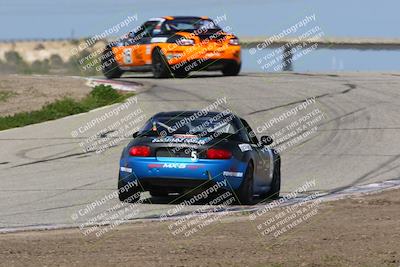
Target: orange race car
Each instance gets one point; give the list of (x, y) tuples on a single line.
[(173, 47)]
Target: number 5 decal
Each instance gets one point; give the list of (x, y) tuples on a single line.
[(194, 155), (128, 55)]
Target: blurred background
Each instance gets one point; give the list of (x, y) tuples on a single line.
[(28, 26)]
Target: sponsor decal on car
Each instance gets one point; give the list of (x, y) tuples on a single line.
[(125, 169), (168, 165), (171, 139), (175, 166), (235, 174), (245, 147), (159, 39)]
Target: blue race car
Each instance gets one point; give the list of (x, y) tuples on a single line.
[(178, 151)]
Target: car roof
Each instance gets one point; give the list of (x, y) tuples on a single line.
[(186, 17), (186, 113), (177, 17)]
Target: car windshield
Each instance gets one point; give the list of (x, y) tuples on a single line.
[(146, 29), (190, 25), (203, 126)]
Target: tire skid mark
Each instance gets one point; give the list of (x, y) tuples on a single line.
[(366, 175), (22, 153), (284, 105), (351, 87), (43, 138), (360, 129), (56, 195), (338, 155), (321, 124), (52, 159)]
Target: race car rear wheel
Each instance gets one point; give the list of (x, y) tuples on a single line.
[(275, 188), (160, 66), (109, 65), (130, 195), (245, 194), (231, 69)]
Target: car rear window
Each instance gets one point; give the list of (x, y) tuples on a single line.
[(184, 125), (189, 25)]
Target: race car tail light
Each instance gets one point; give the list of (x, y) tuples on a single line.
[(185, 42), (139, 151), (234, 41), (214, 153)]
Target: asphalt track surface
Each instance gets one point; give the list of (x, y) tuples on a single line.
[(45, 176)]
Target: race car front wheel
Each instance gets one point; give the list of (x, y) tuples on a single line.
[(245, 194), (109, 65), (160, 66), (179, 73), (231, 69)]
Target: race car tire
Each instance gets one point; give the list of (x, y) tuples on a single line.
[(109, 65), (245, 193), (181, 74), (231, 69), (157, 193), (130, 196), (160, 66), (273, 192)]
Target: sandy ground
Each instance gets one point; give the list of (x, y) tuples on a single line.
[(32, 92), (363, 231), (40, 50)]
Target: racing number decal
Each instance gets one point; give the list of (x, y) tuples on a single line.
[(193, 155), (128, 55)]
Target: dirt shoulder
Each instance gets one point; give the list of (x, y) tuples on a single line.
[(364, 231), (19, 93)]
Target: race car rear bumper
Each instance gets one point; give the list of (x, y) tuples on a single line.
[(186, 55), (154, 173), (203, 64)]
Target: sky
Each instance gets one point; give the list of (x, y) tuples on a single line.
[(47, 19)]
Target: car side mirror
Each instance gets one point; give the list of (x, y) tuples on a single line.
[(266, 140), (135, 134)]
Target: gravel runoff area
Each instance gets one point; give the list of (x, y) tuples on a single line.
[(31, 92), (360, 231)]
